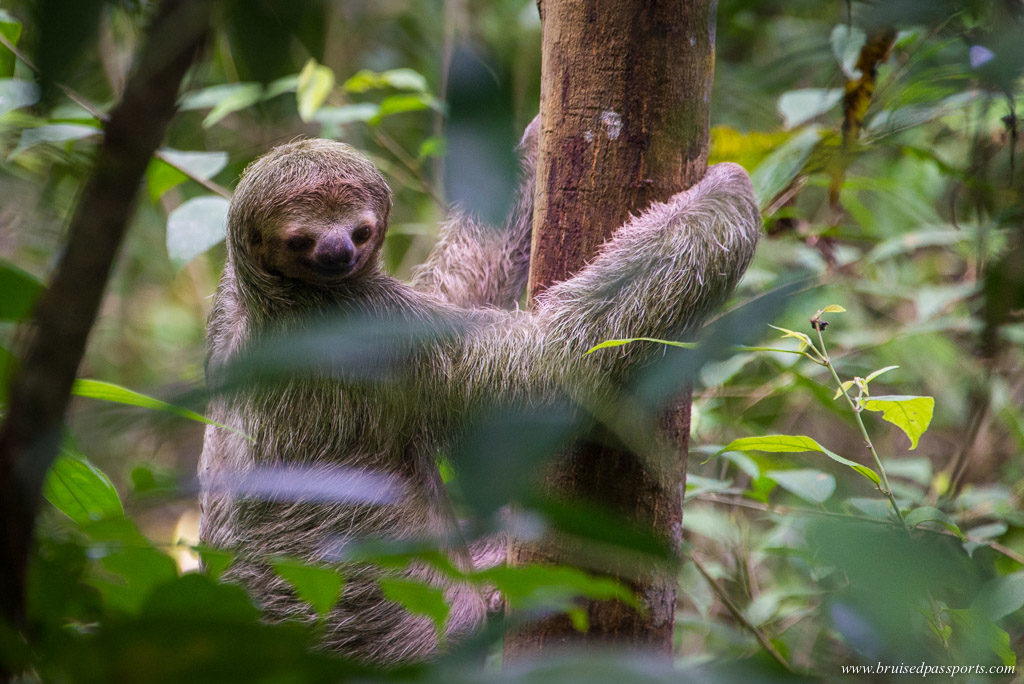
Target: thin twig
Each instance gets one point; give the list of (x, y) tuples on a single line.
[(734, 610)]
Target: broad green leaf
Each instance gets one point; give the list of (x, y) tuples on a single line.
[(319, 586), (431, 147), (196, 226), (799, 106), (53, 133), (911, 414), (10, 28), (846, 43), (832, 308), (15, 93), (1001, 596), (911, 242), (777, 171), (20, 291), (108, 391), (315, 83), (399, 79), (418, 598), (630, 340), (129, 568), (285, 84), (163, 173), (792, 444), (810, 485), (80, 490)]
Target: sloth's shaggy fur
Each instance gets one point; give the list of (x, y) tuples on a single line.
[(659, 276)]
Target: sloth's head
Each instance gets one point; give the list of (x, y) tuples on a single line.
[(313, 211)]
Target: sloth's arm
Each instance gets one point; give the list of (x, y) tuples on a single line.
[(474, 264)]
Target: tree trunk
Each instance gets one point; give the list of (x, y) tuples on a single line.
[(625, 88)]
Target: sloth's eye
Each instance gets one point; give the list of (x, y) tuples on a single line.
[(298, 243), (361, 234)]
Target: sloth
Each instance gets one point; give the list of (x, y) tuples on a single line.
[(305, 230)]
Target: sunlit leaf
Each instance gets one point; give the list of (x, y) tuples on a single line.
[(796, 444), (339, 116), (196, 226), (319, 586), (399, 79), (80, 490), (108, 391), (833, 308), (781, 167), (911, 414), (846, 41), (15, 93), (845, 387), (803, 337), (225, 99), (418, 598), (162, 174), (315, 83), (53, 133), (808, 484), (874, 374), (618, 343), (10, 28), (399, 104), (800, 106)]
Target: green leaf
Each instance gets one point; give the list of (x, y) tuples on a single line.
[(629, 340), (832, 308), (226, 99), (346, 114), (215, 561), (162, 174), (1001, 596), (20, 291), (805, 340), (315, 83), (108, 391), (846, 43), (196, 226), (53, 133), (551, 586), (931, 514), (417, 598), (810, 485), (911, 414), (792, 444), (319, 586), (783, 165), (799, 106), (399, 104), (80, 490), (399, 79), (10, 28), (15, 93), (874, 374)]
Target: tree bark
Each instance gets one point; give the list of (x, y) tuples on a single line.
[(56, 338), (625, 89)]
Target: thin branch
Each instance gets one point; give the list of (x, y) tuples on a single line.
[(737, 614)]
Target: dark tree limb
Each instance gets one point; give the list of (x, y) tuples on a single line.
[(56, 337), (625, 89)]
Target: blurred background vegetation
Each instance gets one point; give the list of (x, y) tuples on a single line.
[(902, 204)]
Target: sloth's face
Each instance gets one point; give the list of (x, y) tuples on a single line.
[(322, 248)]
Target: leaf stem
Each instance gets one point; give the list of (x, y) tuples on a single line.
[(886, 488)]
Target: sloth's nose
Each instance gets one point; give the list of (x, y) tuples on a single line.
[(335, 250)]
